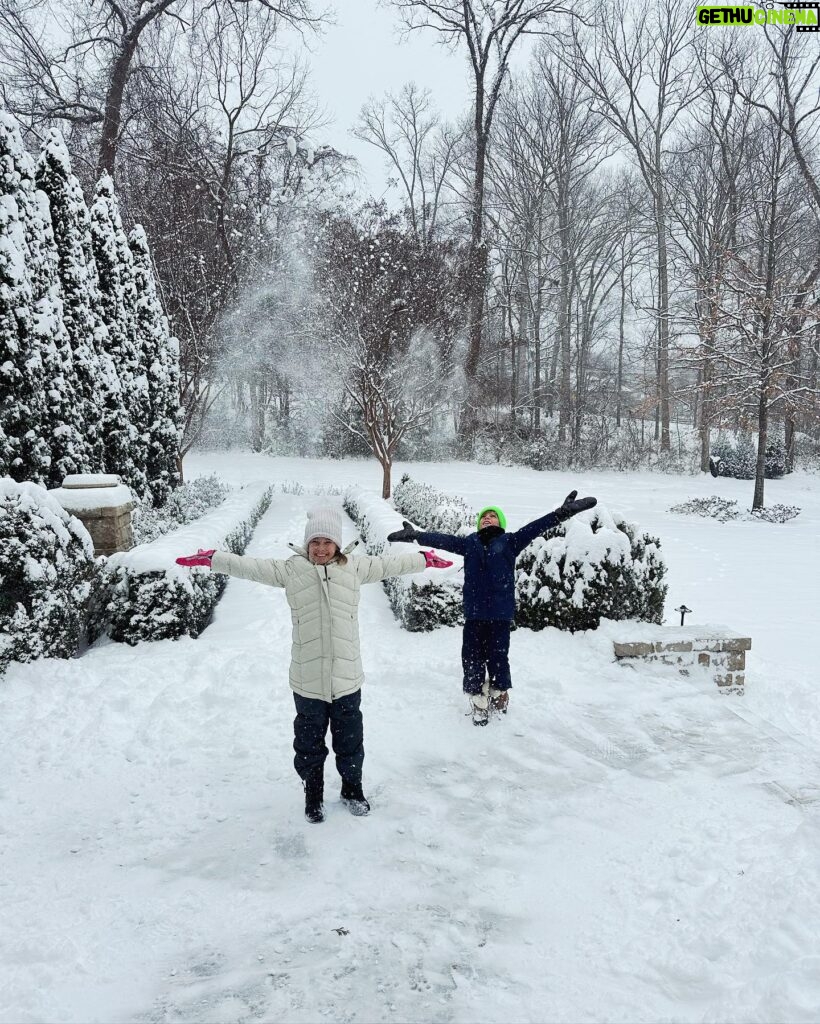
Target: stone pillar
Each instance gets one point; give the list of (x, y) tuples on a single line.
[(104, 507)]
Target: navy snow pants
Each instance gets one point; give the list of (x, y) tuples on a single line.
[(485, 650), (346, 730)]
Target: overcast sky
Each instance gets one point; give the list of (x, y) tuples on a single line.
[(361, 56)]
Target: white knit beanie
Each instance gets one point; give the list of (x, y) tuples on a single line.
[(324, 522)]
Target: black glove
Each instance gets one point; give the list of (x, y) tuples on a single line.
[(573, 505), (407, 533)]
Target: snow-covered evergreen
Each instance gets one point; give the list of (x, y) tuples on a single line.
[(95, 385), (159, 356), (126, 443), (46, 566), (595, 566), (24, 454)]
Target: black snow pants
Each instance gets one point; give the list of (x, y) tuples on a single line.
[(346, 729), (485, 651)]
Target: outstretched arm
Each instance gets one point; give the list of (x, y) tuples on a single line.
[(446, 541), (572, 506), (372, 568), (409, 533), (270, 571)]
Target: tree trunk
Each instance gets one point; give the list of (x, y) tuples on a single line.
[(763, 429), (112, 115), (387, 466), (663, 317), (477, 264), (565, 400), (536, 339), (620, 381)]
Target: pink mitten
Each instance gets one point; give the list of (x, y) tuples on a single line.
[(434, 561), (200, 558)]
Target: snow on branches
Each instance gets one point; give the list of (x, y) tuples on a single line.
[(88, 370), (47, 566)]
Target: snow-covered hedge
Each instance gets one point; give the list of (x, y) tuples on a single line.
[(430, 509), (420, 602), (147, 596), (188, 502), (726, 510), (592, 567), (46, 568)]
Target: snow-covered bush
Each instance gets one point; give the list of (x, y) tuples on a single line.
[(713, 507), (776, 513), (424, 600), (147, 596), (188, 502), (46, 568), (726, 510), (594, 566), (429, 509)]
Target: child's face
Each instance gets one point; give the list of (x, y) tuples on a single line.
[(321, 550), (489, 519)]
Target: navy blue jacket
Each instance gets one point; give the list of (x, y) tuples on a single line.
[(489, 570)]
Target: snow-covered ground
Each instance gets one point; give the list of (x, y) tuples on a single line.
[(625, 846)]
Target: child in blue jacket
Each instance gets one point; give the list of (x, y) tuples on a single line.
[(489, 595)]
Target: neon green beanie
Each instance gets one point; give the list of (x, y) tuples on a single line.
[(502, 519)]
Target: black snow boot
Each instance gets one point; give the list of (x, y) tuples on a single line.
[(353, 798), (314, 795)]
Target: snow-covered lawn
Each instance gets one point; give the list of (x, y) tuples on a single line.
[(625, 846)]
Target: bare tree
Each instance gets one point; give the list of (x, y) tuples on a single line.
[(707, 185), (488, 30), (419, 148), (212, 174), (795, 68), (639, 67), (84, 79)]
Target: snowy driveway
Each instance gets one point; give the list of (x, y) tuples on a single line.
[(624, 847)]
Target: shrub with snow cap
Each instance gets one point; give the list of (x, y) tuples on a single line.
[(46, 569), (424, 600), (147, 596), (592, 567), (431, 509)]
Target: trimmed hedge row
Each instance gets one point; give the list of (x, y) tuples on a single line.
[(420, 602), (46, 572), (421, 503), (146, 596)]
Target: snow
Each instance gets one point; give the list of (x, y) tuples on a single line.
[(208, 533), (85, 499), (91, 480), (627, 845)]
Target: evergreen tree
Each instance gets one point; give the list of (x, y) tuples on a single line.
[(61, 424), (24, 454), (77, 271), (160, 362), (117, 303)]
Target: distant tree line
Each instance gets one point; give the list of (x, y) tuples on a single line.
[(618, 240)]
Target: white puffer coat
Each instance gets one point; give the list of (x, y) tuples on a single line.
[(325, 661)]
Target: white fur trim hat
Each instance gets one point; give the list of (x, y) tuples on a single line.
[(324, 522)]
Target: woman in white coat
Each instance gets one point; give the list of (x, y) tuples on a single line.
[(322, 584)]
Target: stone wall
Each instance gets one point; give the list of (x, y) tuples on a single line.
[(719, 651)]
